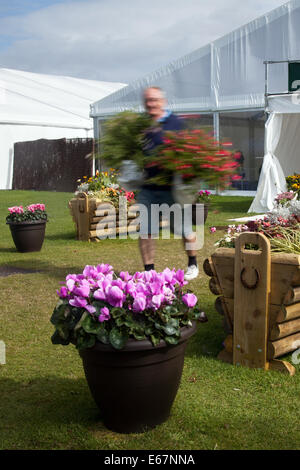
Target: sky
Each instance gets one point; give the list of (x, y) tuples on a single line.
[(114, 40)]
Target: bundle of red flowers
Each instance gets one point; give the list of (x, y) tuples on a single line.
[(195, 154)]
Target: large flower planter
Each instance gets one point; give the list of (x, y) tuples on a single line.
[(28, 236), (135, 387), (88, 212), (259, 297)]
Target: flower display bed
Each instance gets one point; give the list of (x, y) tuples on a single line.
[(259, 296)]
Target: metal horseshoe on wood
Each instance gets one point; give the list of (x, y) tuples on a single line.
[(245, 284)]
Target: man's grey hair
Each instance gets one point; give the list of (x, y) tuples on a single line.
[(155, 88)]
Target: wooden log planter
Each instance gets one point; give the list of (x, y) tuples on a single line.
[(88, 212), (259, 298)]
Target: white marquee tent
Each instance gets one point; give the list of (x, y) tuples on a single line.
[(282, 149), (35, 106), (226, 81)]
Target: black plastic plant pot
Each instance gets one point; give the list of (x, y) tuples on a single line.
[(135, 387), (28, 236)]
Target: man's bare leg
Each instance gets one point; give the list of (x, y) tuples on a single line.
[(147, 249)]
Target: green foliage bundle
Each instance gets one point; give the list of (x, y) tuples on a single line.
[(123, 139)]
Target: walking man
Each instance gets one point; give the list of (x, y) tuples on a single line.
[(155, 105)]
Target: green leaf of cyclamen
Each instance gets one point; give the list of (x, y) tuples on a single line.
[(170, 330), (117, 312), (139, 336), (85, 341), (56, 316), (102, 335), (149, 330), (117, 338), (155, 339), (171, 340), (63, 331), (57, 339), (120, 321), (90, 325)]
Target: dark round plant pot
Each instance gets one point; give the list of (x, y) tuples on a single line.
[(28, 236), (194, 213), (135, 387)]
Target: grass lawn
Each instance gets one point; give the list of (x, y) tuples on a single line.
[(45, 402)]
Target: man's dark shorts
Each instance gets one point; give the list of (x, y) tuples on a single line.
[(149, 216)]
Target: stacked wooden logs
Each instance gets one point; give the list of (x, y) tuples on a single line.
[(88, 213), (96, 220), (284, 302)]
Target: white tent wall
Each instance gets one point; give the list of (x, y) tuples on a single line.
[(271, 181), (288, 148), (282, 151), (35, 106)]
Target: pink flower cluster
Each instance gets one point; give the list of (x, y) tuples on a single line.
[(36, 207), (204, 193), (16, 210), (128, 194), (137, 292), (287, 196), (31, 208)]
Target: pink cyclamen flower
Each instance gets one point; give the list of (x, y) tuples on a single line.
[(157, 300), (90, 309), (213, 229), (78, 302), (70, 284), (139, 303), (90, 272), (35, 207), (16, 210), (115, 296), (99, 294), (104, 268), (125, 276), (190, 300), (104, 315), (63, 292), (179, 276), (83, 289)]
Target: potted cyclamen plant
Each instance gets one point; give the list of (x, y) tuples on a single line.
[(27, 226), (131, 332)]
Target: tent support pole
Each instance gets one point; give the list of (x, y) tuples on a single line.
[(96, 163), (216, 117), (217, 126)]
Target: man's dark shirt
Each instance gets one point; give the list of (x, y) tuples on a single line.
[(153, 138)]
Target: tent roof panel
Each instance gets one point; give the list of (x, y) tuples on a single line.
[(226, 74), (39, 99)]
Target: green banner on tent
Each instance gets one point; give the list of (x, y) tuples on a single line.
[(294, 76)]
